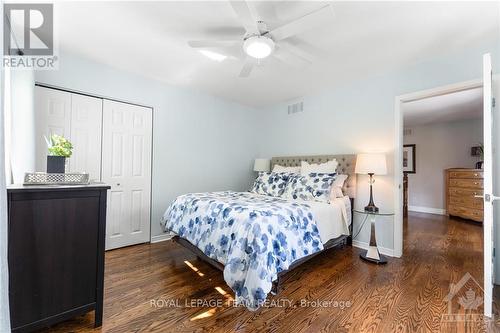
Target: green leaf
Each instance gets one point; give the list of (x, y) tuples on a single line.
[(59, 146)]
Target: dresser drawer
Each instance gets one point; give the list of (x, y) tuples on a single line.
[(468, 213), (464, 192), (467, 202), (466, 183), (466, 174)]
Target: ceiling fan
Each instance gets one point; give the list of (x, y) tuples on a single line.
[(259, 42)]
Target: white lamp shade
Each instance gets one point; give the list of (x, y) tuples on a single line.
[(371, 163), (262, 164)]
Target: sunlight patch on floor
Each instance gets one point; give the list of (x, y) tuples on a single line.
[(194, 268), (206, 314), (229, 298)]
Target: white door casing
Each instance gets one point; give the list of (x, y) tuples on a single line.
[(126, 167), (52, 116), (86, 129), (489, 196)]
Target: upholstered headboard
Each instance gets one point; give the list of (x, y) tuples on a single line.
[(346, 166)]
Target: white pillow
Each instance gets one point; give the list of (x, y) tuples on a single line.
[(279, 168), (327, 167), (337, 186)]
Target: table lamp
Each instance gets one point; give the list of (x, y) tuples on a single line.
[(261, 164), (371, 164)]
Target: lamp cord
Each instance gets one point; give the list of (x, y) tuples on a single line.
[(361, 227)]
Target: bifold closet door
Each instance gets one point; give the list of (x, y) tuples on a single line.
[(126, 167), (52, 116), (76, 117), (86, 127)]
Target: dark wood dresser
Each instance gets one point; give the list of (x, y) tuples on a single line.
[(463, 188), (56, 253)]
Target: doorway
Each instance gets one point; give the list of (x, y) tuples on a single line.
[(490, 160), (434, 138), (400, 101)]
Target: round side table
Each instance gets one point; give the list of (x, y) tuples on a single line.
[(372, 254)]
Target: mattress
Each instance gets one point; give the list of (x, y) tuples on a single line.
[(333, 219)]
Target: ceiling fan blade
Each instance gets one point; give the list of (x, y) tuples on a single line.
[(244, 13), (289, 58), (306, 22), (212, 43), (247, 68), (297, 51)]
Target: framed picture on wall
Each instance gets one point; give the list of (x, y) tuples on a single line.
[(409, 161)]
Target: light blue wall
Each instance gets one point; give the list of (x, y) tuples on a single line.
[(200, 142), (359, 116)]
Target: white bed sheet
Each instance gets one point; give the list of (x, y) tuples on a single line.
[(333, 219)]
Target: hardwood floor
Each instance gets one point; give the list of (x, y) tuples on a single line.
[(143, 284)]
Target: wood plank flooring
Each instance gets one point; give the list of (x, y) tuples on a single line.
[(147, 287)]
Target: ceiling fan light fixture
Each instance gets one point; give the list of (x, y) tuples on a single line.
[(258, 47)]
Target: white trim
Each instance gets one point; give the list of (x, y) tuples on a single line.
[(398, 148), (364, 245), (398, 179), (488, 185), (429, 210), (161, 238)]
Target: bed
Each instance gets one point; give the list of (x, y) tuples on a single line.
[(255, 239)]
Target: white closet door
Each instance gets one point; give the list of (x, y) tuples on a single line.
[(52, 116), (126, 167), (86, 128)]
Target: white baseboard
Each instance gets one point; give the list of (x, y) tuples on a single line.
[(161, 238), (383, 250), (428, 210)]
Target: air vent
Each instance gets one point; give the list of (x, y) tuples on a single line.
[(295, 108), (407, 132)]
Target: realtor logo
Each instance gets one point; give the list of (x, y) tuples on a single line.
[(28, 29), (465, 301), (28, 36)]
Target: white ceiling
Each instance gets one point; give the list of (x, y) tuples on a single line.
[(462, 105), (149, 38)]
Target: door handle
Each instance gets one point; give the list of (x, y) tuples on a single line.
[(488, 197)]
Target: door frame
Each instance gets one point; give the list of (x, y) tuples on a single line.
[(398, 147)]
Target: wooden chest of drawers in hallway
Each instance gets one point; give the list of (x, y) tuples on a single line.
[(462, 188)]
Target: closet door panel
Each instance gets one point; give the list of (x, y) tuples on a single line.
[(52, 116), (86, 130), (141, 169), (126, 167)]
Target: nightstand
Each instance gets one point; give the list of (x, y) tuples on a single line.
[(372, 254)]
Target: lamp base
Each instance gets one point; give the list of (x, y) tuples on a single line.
[(371, 209), (381, 260)]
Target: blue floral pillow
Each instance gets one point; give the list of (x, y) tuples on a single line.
[(314, 186), (271, 183)]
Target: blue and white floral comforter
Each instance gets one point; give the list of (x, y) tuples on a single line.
[(254, 236)]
